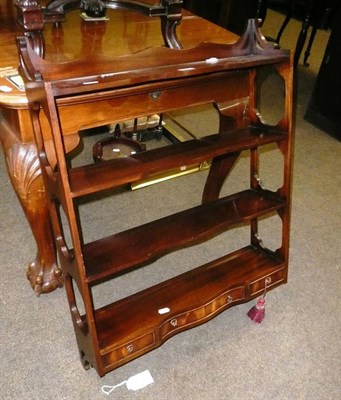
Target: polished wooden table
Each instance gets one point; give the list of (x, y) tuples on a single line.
[(124, 33)]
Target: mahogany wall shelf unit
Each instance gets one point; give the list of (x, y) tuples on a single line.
[(110, 90)]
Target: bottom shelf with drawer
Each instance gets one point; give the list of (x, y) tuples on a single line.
[(141, 322)]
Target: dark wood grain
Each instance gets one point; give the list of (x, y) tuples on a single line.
[(109, 256), (206, 291), (157, 80)]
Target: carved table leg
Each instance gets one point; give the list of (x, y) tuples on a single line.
[(25, 174)]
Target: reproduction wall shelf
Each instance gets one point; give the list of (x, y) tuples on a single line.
[(111, 90)]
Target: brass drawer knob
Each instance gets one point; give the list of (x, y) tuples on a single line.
[(130, 348), (174, 322), (268, 281)]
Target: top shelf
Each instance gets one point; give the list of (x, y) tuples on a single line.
[(149, 65)]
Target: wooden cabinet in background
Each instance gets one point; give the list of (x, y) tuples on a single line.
[(324, 108)]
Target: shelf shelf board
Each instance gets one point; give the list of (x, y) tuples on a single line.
[(113, 173), (143, 321), (109, 256)]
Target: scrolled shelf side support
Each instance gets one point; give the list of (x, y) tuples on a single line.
[(169, 22), (30, 17)]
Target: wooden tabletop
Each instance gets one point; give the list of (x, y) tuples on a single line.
[(124, 33)]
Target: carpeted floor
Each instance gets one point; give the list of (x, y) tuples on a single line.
[(293, 355)]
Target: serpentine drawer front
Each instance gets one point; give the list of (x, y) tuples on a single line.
[(187, 319), (194, 317)]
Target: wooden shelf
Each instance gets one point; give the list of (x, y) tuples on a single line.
[(106, 257), (93, 178), (139, 323), (159, 80), (164, 64)]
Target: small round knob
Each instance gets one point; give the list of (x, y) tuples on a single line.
[(130, 348), (229, 299), (155, 95), (174, 322)]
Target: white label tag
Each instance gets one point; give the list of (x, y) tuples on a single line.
[(140, 380), (162, 311)]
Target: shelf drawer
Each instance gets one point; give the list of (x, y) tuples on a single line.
[(198, 315), (161, 98), (143, 321), (257, 287), (129, 349)]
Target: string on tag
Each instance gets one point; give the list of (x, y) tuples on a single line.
[(108, 389), (135, 382)]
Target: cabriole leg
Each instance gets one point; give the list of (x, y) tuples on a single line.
[(25, 174)]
